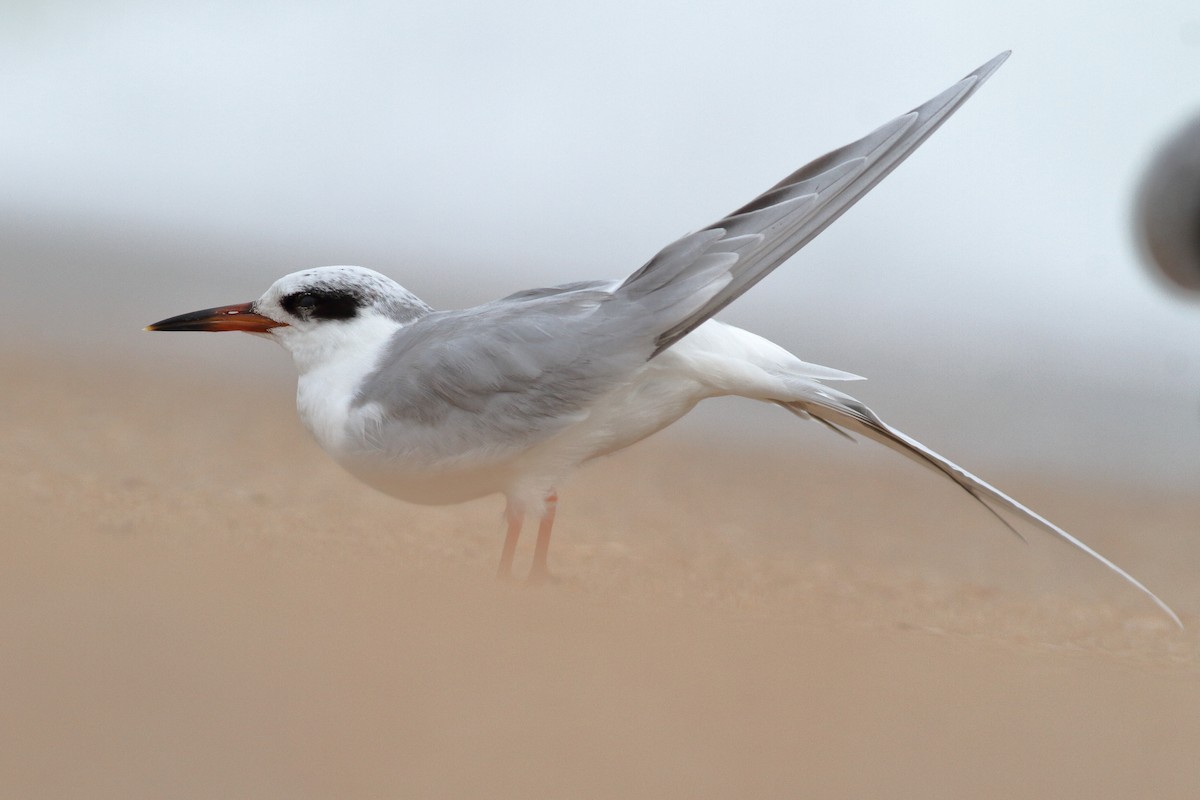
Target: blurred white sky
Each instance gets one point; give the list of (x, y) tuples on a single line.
[(988, 288)]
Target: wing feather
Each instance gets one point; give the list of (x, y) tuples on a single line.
[(769, 229)]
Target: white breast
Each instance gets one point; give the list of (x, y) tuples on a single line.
[(331, 367)]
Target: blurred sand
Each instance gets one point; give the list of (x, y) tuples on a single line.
[(194, 602)]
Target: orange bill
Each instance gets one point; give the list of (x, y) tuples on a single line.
[(240, 317)]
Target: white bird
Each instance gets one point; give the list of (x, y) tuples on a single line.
[(509, 397)]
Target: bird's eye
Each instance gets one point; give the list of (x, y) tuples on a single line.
[(321, 305)]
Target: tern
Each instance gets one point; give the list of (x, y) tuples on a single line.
[(509, 397)]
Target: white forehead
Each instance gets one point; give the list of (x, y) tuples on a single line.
[(362, 281)]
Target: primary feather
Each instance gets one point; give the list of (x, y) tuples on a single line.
[(770, 228)]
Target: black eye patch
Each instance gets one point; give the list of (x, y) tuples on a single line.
[(321, 304)]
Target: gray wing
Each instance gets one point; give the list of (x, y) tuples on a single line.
[(697, 276), (520, 369), (508, 373), (566, 288), (841, 411)]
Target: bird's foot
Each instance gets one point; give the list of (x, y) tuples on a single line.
[(541, 576)]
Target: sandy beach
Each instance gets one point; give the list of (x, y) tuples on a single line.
[(196, 603)]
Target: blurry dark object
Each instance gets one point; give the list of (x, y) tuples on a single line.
[(1168, 208)]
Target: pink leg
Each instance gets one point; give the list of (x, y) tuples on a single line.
[(515, 520), (540, 573)]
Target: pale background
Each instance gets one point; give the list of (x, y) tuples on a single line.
[(162, 157)]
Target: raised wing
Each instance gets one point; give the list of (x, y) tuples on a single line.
[(695, 277)]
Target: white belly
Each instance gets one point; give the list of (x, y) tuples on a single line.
[(419, 465), (429, 488)]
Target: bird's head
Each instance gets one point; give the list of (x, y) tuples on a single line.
[(314, 311)]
